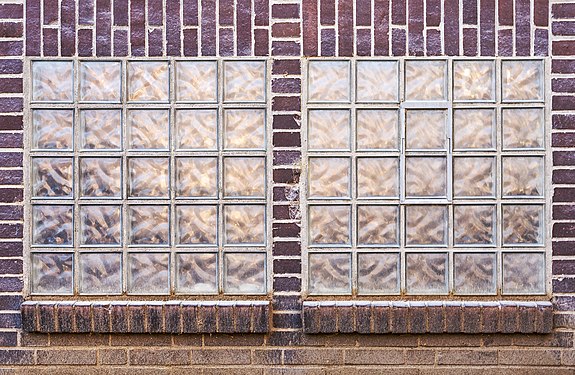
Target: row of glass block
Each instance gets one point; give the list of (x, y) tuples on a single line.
[(426, 273), (148, 273)]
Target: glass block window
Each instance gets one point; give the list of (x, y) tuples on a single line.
[(148, 177), (425, 176)]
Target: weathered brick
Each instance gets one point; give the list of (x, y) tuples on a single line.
[(345, 318), (287, 139), (65, 317), (529, 357), (102, 317), (134, 315), (29, 317), (82, 318), (267, 357), (160, 357), (206, 315), (154, 318), (66, 357), (11, 284), (313, 356), (225, 318), (384, 356), (399, 318), (287, 320), (417, 319), (221, 356), (284, 11), (16, 357), (467, 357), (113, 356), (172, 318), (453, 318), (189, 319), (242, 316)]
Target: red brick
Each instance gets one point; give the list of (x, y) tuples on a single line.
[(363, 13), (506, 12), (345, 28), (11, 29), (487, 28), (244, 27), (287, 248), (283, 67), (398, 39), (565, 10), (86, 12), (381, 27), (560, 103), (208, 28), (309, 24), (286, 103), (104, 28), (522, 27), (138, 27), (563, 48), (285, 48), (415, 27), (470, 12), (262, 14), (286, 85), (541, 15), (173, 28), (11, 11), (327, 12), (398, 16), (50, 12), (287, 284), (290, 30), (261, 42), (284, 11), (328, 40), (433, 13), (190, 12), (451, 27)]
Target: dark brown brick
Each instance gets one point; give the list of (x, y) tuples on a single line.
[(225, 318), (286, 176), (65, 316), (172, 318), (286, 48), (328, 318), (10, 266), (154, 318), (508, 322), (563, 121), (563, 176), (328, 40), (287, 248), (11, 104), (242, 316), (286, 157), (470, 41), (85, 42), (190, 12), (33, 33), (286, 67), (287, 139), (563, 139), (260, 318), (287, 284), (190, 42), (399, 317), (564, 195), (398, 38), (208, 27), (102, 318), (363, 42), (11, 195), (11, 30), (398, 12), (189, 319), (563, 248), (206, 315), (155, 42), (345, 318), (451, 27), (472, 319), (565, 10), (262, 42), (381, 314), (243, 27), (50, 40), (311, 319), (287, 320), (435, 318), (46, 318), (287, 266), (29, 318), (120, 43), (327, 12), (136, 317), (522, 27), (86, 12), (82, 318), (173, 23), (417, 318), (526, 319), (381, 27), (563, 48), (505, 46), (286, 122), (563, 230), (415, 27), (286, 85), (11, 249), (119, 318), (11, 122), (433, 44), (453, 318), (287, 30), (363, 317), (262, 14)]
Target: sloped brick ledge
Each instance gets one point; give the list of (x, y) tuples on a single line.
[(174, 317), (427, 317)]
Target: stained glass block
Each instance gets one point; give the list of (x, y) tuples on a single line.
[(100, 273), (52, 177), (52, 273), (523, 176), (473, 128), (377, 129), (378, 273), (474, 225), (523, 273), (425, 80), (426, 273), (523, 127), (52, 129), (101, 129), (426, 225), (148, 177), (377, 81), (244, 224), (52, 225), (101, 177), (474, 176), (197, 81), (148, 81), (52, 81), (244, 81), (197, 177), (377, 177), (196, 273), (523, 225), (474, 80), (100, 225), (148, 273), (329, 177), (244, 273), (244, 177), (197, 225), (378, 225), (329, 225), (475, 273), (425, 129), (149, 225), (425, 176), (148, 129), (329, 81), (329, 273), (196, 129), (245, 128), (100, 81), (522, 80)]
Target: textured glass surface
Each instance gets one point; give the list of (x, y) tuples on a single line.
[(101, 177), (473, 80), (244, 81), (52, 225), (101, 129), (524, 273), (523, 176), (523, 127), (425, 129), (378, 225), (329, 177), (378, 273), (52, 273), (377, 129), (197, 177), (148, 81), (378, 177), (426, 225), (245, 177), (52, 128), (474, 176), (522, 80), (148, 129), (329, 225), (244, 224), (473, 128), (197, 225), (52, 177), (475, 273), (329, 273), (101, 273), (377, 81), (329, 81), (197, 81), (196, 273), (148, 177), (52, 81), (245, 128), (100, 225), (148, 273), (244, 273), (328, 129), (474, 225), (425, 176), (196, 128), (149, 225), (100, 81), (425, 80), (523, 225), (426, 273)]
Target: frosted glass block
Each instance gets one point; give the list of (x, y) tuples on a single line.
[(425, 176), (425, 129), (101, 225), (52, 177), (196, 129), (197, 81), (425, 80), (101, 129), (523, 176), (52, 225), (245, 128), (148, 81), (329, 81), (378, 225), (475, 273), (377, 81), (329, 225), (100, 273), (474, 80), (474, 225), (329, 177), (524, 273), (196, 273), (197, 177), (377, 177), (474, 176), (328, 129), (52, 128), (100, 81), (523, 225), (378, 273), (244, 177), (148, 273), (426, 273), (197, 225), (244, 224), (52, 273), (148, 129), (523, 127), (148, 177), (52, 81), (149, 225), (377, 129), (426, 225), (522, 80), (244, 273), (329, 273), (473, 128), (101, 177), (244, 81)]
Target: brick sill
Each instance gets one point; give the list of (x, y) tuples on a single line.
[(173, 317), (427, 317)]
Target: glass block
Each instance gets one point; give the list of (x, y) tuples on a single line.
[(523, 127), (426, 273), (474, 176), (523, 176), (101, 273), (148, 273), (148, 177), (425, 129), (377, 81), (245, 128), (101, 129), (473, 128), (100, 225), (52, 129), (475, 273), (197, 81), (148, 81), (329, 81), (377, 129), (52, 273), (244, 177), (196, 129), (523, 225), (197, 225), (244, 273), (196, 273), (425, 176), (52, 81), (52, 225), (149, 225), (328, 129), (101, 177), (329, 273), (329, 225), (522, 80), (100, 81), (474, 80), (148, 129), (426, 225), (244, 224), (523, 273), (425, 80), (329, 177), (474, 225), (378, 177), (244, 81), (197, 177), (52, 177), (378, 273), (378, 225)]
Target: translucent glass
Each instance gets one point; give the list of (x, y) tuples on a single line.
[(52, 273), (523, 127), (328, 129), (474, 225), (425, 129), (244, 81), (474, 176), (329, 273), (101, 128), (52, 128), (196, 273), (523, 273), (149, 225), (52, 177), (53, 81), (244, 224), (101, 177), (377, 129), (197, 81), (522, 80), (329, 81), (378, 225), (197, 225), (473, 128), (329, 225), (100, 273), (100, 225), (425, 80), (377, 81), (426, 273), (523, 176), (244, 177), (378, 273), (475, 273), (148, 129), (100, 81), (523, 225), (378, 177), (244, 273), (329, 177), (425, 176), (148, 177), (426, 225), (148, 81), (52, 225), (148, 273), (474, 80), (196, 129), (245, 128), (197, 177)]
